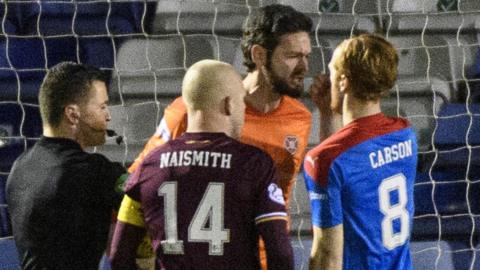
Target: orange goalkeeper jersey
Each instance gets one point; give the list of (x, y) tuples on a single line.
[(282, 133)]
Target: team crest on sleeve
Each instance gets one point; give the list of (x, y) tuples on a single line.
[(275, 194), (291, 144)]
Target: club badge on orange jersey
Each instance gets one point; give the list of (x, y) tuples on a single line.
[(291, 143)]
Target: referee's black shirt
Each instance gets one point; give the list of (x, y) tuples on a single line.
[(60, 199)]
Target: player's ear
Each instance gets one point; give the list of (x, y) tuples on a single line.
[(226, 106), (344, 83), (259, 55), (72, 113)]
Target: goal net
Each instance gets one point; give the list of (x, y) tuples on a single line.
[(147, 45)]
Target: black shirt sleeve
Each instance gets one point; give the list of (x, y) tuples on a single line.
[(108, 173)]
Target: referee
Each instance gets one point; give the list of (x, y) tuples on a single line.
[(60, 197)]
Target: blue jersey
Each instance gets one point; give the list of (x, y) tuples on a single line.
[(363, 177)]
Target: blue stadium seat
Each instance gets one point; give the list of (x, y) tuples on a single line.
[(99, 51), (8, 255), (455, 131), (12, 24), (452, 197), (453, 124), (49, 18), (29, 53), (449, 195), (29, 58)]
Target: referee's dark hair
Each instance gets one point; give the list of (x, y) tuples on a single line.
[(267, 26), (65, 83)]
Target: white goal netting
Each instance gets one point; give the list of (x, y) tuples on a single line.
[(147, 45)]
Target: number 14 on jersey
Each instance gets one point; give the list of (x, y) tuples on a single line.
[(211, 211)]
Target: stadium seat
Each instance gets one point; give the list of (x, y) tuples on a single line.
[(98, 51), (418, 101), (457, 126), (422, 57), (454, 254), (446, 190), (29, 58), (154, 67), (8, 255), (11, 22), (221, 17), (140, 62), (457, 136), (463, 58), (426, 253), (48, 18), (432, 19), (453, 198), (431, 15)]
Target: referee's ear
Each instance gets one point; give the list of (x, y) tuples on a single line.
[(72, 114)]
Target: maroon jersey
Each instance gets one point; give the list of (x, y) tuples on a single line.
[(204, 196)]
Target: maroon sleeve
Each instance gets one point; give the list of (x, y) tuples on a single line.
[(277, 244), (271, 219), (127, 237), (125, 241)]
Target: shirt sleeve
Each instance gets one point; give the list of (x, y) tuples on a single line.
[(271, 203), (130, 210), (271, 220), (106, 174), (325, 200)]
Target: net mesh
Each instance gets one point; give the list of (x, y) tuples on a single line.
[(146, 47)]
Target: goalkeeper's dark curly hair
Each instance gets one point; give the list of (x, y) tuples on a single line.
[(266, 27)]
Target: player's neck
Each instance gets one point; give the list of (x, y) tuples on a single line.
[(261, 96), (207, 122), (354, 109)]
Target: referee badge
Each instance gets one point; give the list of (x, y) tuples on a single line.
[(291, 144)]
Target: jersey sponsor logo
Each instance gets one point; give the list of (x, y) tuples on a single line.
[(390, 154), (317, 196), (291, 143), (275, 194)]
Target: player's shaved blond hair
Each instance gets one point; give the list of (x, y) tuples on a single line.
[(207, 82)]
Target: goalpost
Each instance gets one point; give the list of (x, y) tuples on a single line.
[(147, 45)]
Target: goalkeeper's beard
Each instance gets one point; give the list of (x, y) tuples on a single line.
[(280, 84)]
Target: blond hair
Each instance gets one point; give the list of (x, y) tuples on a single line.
[(370, 63)]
